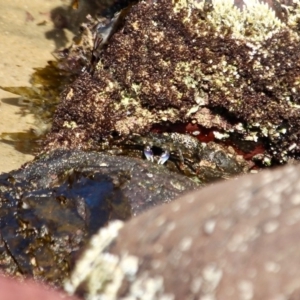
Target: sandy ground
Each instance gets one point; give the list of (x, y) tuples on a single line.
[(24, 45)]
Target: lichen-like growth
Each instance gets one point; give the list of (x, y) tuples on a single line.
[(179, 60)]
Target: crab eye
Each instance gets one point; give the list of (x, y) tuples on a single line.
[(164, 157), (148, 153)]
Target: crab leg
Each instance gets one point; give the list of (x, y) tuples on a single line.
[(164, 157), (148, 153)]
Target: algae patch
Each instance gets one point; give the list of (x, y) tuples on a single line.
[(39, 99)]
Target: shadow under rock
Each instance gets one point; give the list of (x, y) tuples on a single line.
[(15, 101)]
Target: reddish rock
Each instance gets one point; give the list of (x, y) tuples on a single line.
[(11, 289), (234, 240)]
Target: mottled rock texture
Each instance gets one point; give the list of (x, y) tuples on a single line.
[(236, 71), (234, 240)]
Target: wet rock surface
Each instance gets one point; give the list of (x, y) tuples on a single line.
[(234, 240), (53, 205), (203, 63)]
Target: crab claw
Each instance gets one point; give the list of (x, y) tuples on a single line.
[(164, 157), (148, 153)]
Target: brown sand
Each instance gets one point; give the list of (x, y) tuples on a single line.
[(24, 46)]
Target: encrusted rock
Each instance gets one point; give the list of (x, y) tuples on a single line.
[(234, 240), (174, 60)]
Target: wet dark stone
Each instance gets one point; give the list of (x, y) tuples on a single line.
[(51, 207)]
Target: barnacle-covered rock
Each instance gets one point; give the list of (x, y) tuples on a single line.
[(49, 208), (173, 59), (233, 240)]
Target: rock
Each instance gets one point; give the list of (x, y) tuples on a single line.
[(207, 62), (233, 240), (52, 206)]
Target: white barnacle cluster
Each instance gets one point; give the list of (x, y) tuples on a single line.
[(293, 13), (99, 271), (99, 274), (255, 20)]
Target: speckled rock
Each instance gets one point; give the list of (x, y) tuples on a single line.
[(50, 208), (233, 240), (208, 62)]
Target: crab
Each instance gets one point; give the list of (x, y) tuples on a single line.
[(181, 149), (177, 151), (150, 156), (186, 154)]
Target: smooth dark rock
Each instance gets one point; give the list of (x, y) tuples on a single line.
[(49, 208)]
